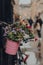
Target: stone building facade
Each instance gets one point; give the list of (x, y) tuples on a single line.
[(31, 9), (16, 6)]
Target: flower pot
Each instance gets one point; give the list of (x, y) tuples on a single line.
[(11, 47)]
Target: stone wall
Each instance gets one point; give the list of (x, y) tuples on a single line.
[(32, 9)]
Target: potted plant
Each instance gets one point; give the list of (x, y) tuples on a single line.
[(15, 36), (13, 40)]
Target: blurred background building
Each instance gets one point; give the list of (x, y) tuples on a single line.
[(30, 9)]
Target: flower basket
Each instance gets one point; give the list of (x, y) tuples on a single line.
[(11, 47)]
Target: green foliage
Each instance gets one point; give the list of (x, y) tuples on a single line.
[(15, 37), (19, 34)]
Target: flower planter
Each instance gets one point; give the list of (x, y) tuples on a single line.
[(11, 47)]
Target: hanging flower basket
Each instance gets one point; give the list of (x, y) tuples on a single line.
[(13, 39), (11, 47)]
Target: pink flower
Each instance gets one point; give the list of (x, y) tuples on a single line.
[(36, 39), (28, 27)]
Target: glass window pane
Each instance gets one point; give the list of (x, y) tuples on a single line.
[(24, 1)]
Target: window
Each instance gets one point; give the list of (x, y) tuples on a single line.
[(24, 2)]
